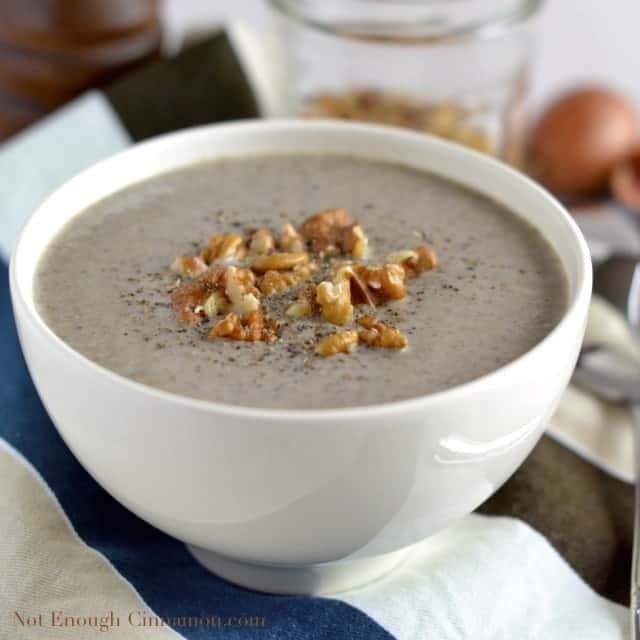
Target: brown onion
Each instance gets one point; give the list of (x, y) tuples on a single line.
[(625, 181), (579, 140)]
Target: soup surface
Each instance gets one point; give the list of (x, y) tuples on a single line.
[(104, 283)]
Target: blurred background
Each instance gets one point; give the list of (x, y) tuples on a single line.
[(479, 73), (578, 40)]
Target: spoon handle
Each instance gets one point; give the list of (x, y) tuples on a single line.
[(635, 562)]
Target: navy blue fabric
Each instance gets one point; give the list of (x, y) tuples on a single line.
[(158, 566)]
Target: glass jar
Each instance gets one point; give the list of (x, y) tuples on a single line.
[(453, 68)]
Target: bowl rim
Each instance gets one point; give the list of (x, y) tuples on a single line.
[(571, 316)]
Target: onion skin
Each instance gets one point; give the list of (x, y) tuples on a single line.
[(580, 138)]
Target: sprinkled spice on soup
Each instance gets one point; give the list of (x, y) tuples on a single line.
[(308, 281)]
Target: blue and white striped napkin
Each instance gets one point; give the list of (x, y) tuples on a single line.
[(75, 564)]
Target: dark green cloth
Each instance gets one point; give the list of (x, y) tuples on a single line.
[(203, 84), (584, 513)]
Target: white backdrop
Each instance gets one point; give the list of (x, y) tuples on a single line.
[(580, 40)]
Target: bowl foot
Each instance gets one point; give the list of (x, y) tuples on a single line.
[(310, 579)]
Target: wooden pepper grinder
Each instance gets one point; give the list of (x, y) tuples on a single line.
[(52, 50)]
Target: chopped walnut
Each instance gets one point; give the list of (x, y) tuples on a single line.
[(189, 266), (279, 262), (216, 304), (224, 247), (386, 282), (326, 229), (299, 309), (416, 261), (399, 257), (426, 260), (193, 301), (241, 291), (376, 333), (215, 289), (262, 242), (305, 271), (446, 119), (290, 240), (188, 299), (253, 327), (354, 242), (360, 293), (306, 304), (334, 299), (373, 285), (343, 342), (273, 282)]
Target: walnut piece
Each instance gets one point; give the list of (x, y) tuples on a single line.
[(373, 285), (189, 266), (304, 272), (385, 282), (334, 299), (279, 261), (446, 119), (399, 257), (224, 247), (376, 333), (273, 282), (241, 290), (343, 342), (216, 288), (326, 229), (216, 304), (306, 304), (253, 327), (290, 240), (188, 299), (262, 242), (299, 309), (416, 261), (354, 242), (193, 301)]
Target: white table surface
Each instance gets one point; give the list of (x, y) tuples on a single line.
[(580, 41)]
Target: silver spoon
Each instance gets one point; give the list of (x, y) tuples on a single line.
[(617, 280)]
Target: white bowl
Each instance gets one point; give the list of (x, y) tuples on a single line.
[(301, 501)]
